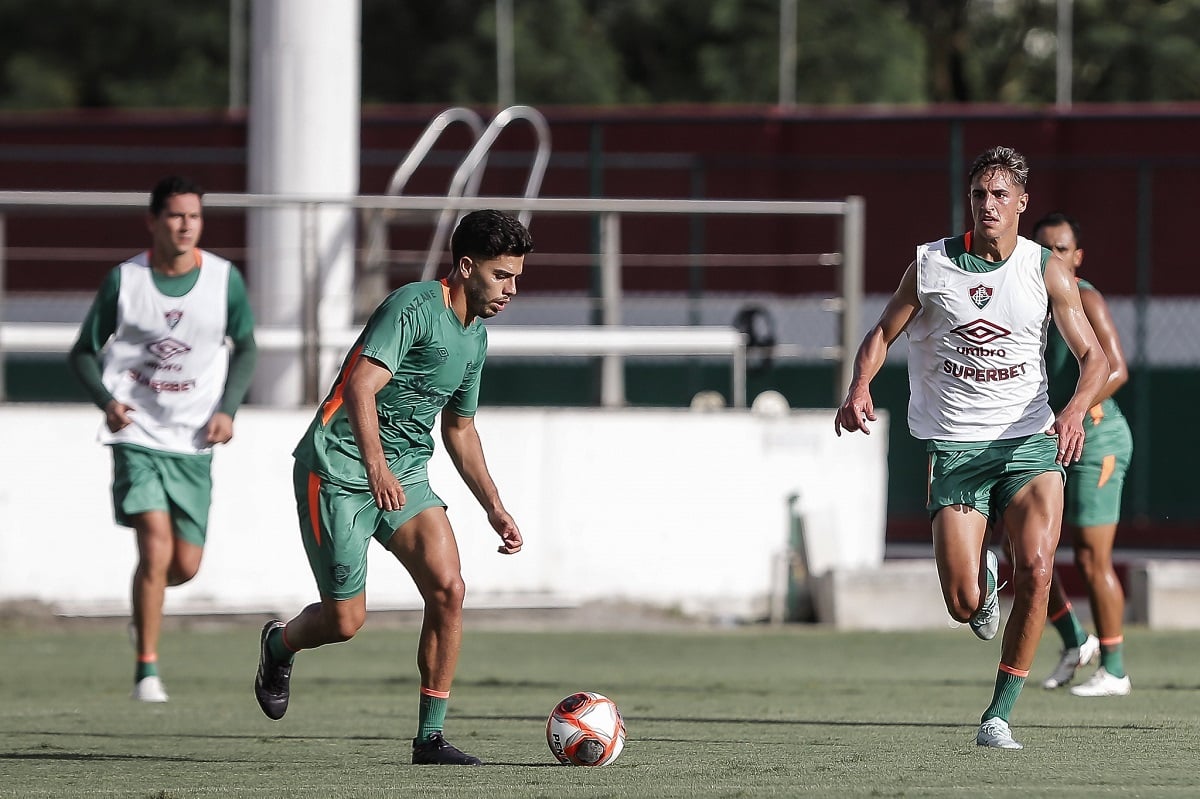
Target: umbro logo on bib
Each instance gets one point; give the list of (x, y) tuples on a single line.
[(981, 295), (981, 331), (168, 348)]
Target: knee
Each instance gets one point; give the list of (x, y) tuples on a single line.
[(344, 630), (345, 626), (1089, 561), (180, 573), (1032, 576), (962, 604), (448, 594)]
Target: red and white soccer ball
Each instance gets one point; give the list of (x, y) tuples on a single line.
[(585, 729)]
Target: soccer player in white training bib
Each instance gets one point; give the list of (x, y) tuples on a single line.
[(975, 310), (152, 355), (360, 471)]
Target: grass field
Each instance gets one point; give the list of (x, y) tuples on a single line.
[(742, 712)]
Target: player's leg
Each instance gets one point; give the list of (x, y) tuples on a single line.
[(958, 537), (1096, 510), (1032, 518), (336, 526), (427, 548), (330, 621), (1078, 648), (155, 544), (1093, 556)]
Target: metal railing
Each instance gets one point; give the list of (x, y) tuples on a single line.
[(308, 338)]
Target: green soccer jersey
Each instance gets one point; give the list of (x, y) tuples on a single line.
[(435, 363), (1062, 370)]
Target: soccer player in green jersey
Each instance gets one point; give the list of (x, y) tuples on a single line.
[(1093, 494), (360, 469), (152, 355)]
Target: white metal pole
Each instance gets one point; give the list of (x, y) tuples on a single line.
[(1063, 62), (303, 141), (505, 67), (612, 372), (787, 53)]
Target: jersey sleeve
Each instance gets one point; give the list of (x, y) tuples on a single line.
[(239, 326), (98, 326), (465, 401), (392, 330)]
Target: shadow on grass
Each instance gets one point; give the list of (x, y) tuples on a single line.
[(85, 757), (761, 722)]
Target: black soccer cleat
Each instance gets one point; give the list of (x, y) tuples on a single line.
[(272, 683), (437, 751)]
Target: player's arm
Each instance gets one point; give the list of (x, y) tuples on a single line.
[(466, 451), (858, 407), (239, 328), (97, 328), (1072, 323), (1096, 310), (366, 378)]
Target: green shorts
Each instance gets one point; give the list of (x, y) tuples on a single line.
[(146, 480), (338, 523), (986, 475), (1094, 484)]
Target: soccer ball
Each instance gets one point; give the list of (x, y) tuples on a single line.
[(585, 729)]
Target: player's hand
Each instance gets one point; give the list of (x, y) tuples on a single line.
[(385, 488), (116, 415), (1069, 430), (856, 411), (220, 429), (506, 528)]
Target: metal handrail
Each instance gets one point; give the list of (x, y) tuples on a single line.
[(377, 220), (466, 178), (850, 210)]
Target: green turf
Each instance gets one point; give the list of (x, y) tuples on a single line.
[(740, 713)]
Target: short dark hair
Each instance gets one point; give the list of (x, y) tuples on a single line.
[(488, 234), (1001, 158), (1059, 218), (169, 187)]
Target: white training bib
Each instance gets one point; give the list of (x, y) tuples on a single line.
[(975, 366), (168, 357)]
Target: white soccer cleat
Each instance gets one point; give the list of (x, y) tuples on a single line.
[(1103, 684), (986, 621), (1071, 660), (996, 734), (149, 689)]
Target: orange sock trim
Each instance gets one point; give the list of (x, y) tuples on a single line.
[(147, 658), (1066, 609), (1014, 672), (1120, 639), (286, 643), (435, 694)]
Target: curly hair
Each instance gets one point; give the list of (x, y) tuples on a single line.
[(488, 234)]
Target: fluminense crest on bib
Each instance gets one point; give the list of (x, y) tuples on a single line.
[(981, 295), (173, 318)]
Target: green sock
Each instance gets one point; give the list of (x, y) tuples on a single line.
[(280, 652), (1008, 688), (1072, 632), (432, 715), (145, 669), (1112, 658)]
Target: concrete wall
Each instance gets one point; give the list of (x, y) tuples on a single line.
[(668, 507)]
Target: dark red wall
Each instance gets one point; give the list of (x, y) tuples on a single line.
[(1109, 166)]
